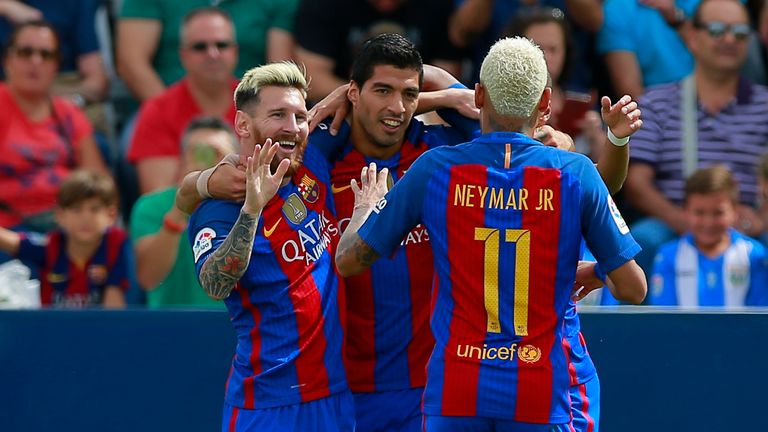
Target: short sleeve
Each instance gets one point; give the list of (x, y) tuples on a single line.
[(605, 231), (146, 216), (32, 249), (149, 9), (399, 211), (85, 40), (209, 226), (285, 14), (613, 35)]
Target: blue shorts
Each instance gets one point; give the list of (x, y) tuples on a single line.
[(585, 406), (395, 411), (485, 424), (333, 413)]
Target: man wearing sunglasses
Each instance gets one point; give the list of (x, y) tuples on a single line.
[(712, 116), (209, 53)]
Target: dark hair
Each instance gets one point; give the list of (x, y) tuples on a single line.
[(390, 49), (528, 17), (715, 179), (81, 185), (207, 123), (14, 36)]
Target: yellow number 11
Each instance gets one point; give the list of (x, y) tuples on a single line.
[(522, 240)]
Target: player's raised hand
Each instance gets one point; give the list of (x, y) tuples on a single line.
[(336, 104), (372, 187), (623, 117), (586, 280), (260, 183)]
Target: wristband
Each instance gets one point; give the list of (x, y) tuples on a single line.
[(205, 175), (202, 182), (600, 273), (173, 227), (618, 142)]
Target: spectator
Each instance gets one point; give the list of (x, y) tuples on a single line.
[(42, 137), (164, 264), (209, 53), (479, 23), (148, 38), (86, 261), (572, 112), (726, 123), (330, 32), (82, 77), (713, 264), (641, 44)]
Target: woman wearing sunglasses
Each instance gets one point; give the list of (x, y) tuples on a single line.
[(42, 137)]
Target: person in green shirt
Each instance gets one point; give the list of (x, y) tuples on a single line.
[(148, 38), (164, 264)]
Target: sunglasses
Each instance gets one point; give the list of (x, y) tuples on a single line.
[(718, 29), (27, 52), (202, 47)]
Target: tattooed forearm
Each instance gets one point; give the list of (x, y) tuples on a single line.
[(227, 264), (354, 255)]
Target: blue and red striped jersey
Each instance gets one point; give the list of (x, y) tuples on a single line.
[(287, 307), (388, 337), (505, 216), (65, 283)]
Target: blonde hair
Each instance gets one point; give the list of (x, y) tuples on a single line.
[(514, 73), (282, 74)]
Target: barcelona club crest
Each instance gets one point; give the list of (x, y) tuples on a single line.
[(294, 209), (309, 189)]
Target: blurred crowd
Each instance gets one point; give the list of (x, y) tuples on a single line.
[(106, 105)]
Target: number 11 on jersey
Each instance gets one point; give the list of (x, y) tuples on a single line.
[(491, 238)]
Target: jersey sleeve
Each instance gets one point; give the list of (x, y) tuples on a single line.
[(467, 128), (32, 249), (605, 231), (208, 227), (399, 211), (758, 275), (662, 289)]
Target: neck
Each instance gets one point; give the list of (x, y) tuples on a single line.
[(495, 123), (365, 145), (79, 252), (715, 250), (214, 98), (36, 106), (715, 89)]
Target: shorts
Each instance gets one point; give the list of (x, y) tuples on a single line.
[(333, 413), (585, 406), (485, 424), (389, 411)]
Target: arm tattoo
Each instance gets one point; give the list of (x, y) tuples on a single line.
[(228, 263), (358, 250)]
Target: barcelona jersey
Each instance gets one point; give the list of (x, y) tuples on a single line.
[(505, 216), (286, 307), (64, 283), (388, 336)]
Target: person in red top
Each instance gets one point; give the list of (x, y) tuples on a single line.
[(209, 54), (42, 137)]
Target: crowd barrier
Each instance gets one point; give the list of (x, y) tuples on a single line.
[(138, 370)]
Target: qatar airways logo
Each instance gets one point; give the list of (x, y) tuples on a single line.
[(313, 239), (417, 235)]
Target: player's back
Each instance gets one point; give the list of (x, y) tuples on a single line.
[(505, 217), (504, 222)]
